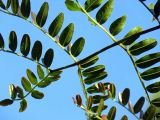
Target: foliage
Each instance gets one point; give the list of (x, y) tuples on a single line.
[(91, 75)]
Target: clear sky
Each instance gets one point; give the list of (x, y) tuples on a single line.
[(57, 103)]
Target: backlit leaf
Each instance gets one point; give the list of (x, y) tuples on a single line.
[(100, 107), (56, 25), (117, 26), (8, 4), (139, 104), (25, 8), (6, 102), (71, 5), (2, 5), (15, 6), (124, 117), (97, 98), (23, 105), (125, 96), (90, 5), (37, 94), (42, 14), (1, 41), (25, 45), (48, 57), (153, 88), (105, 12), (150, 112), (142, 46), (12, 91), (13, 41), (66, 35), (40, 72), (26, 84), (156, 102), (32, 77), (37, 50), (112, 113)]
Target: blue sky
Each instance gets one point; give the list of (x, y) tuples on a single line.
[(57, 103)]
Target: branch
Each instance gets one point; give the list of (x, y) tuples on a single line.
[(107, 48)]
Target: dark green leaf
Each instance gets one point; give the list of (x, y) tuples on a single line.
[(151, 73), (100, 107), (55, 73), (157, 9), (153, 88), (97, 98), (32, 77), (95, 88), (13, 41), (71, 5), (48, 57), (42, 14), (6, 102), (139, 104), (77, 47), (149, 114), (148, 60), (112, 113), (124, 117), (125, 96), (105, 12), (157, 115), (1, 41), (44, 84), (156, 102), (142, 46), (25, 8), (8, 4), (89, 102), (37, 50), (66, 35), (112, 91), (130, 33), (90, 5), (40, 72), (26, 84), (89, 62), (12, 91), (25, 45), (37, 94), (2, 5), (15, 6), (20, 92), (23, 105), (93, 70), (56, 25), (96, 77), (117, 26)]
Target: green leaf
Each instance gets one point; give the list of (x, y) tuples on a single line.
[(12, 91), (151, 73), (97, 98), (153, 88), (124, 117), (71, 5), (26, 84), (100, 107), (96, 77), (37, 94), (6, 102), (89, 62), (44, 84), (142, 46), (66, 35), (25, 45), (77, 47), (112, 91), (93, 70), (2, 5), (112, 113), (1, 41), (90, 5), (139, 104), (37, 50), (156, 102), (89, 102), (150, 112), (32, 77), (25, 8), (48, 57), (105, 12), (13, 41), (40, 72), (130, 33), (148, 60), (95, 108), (117, 26), (8, 4), (15, 6), (95, 88), (125, 96), (151, 5), (56, 25), (157, 115), (42, 14), (23, 105)]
